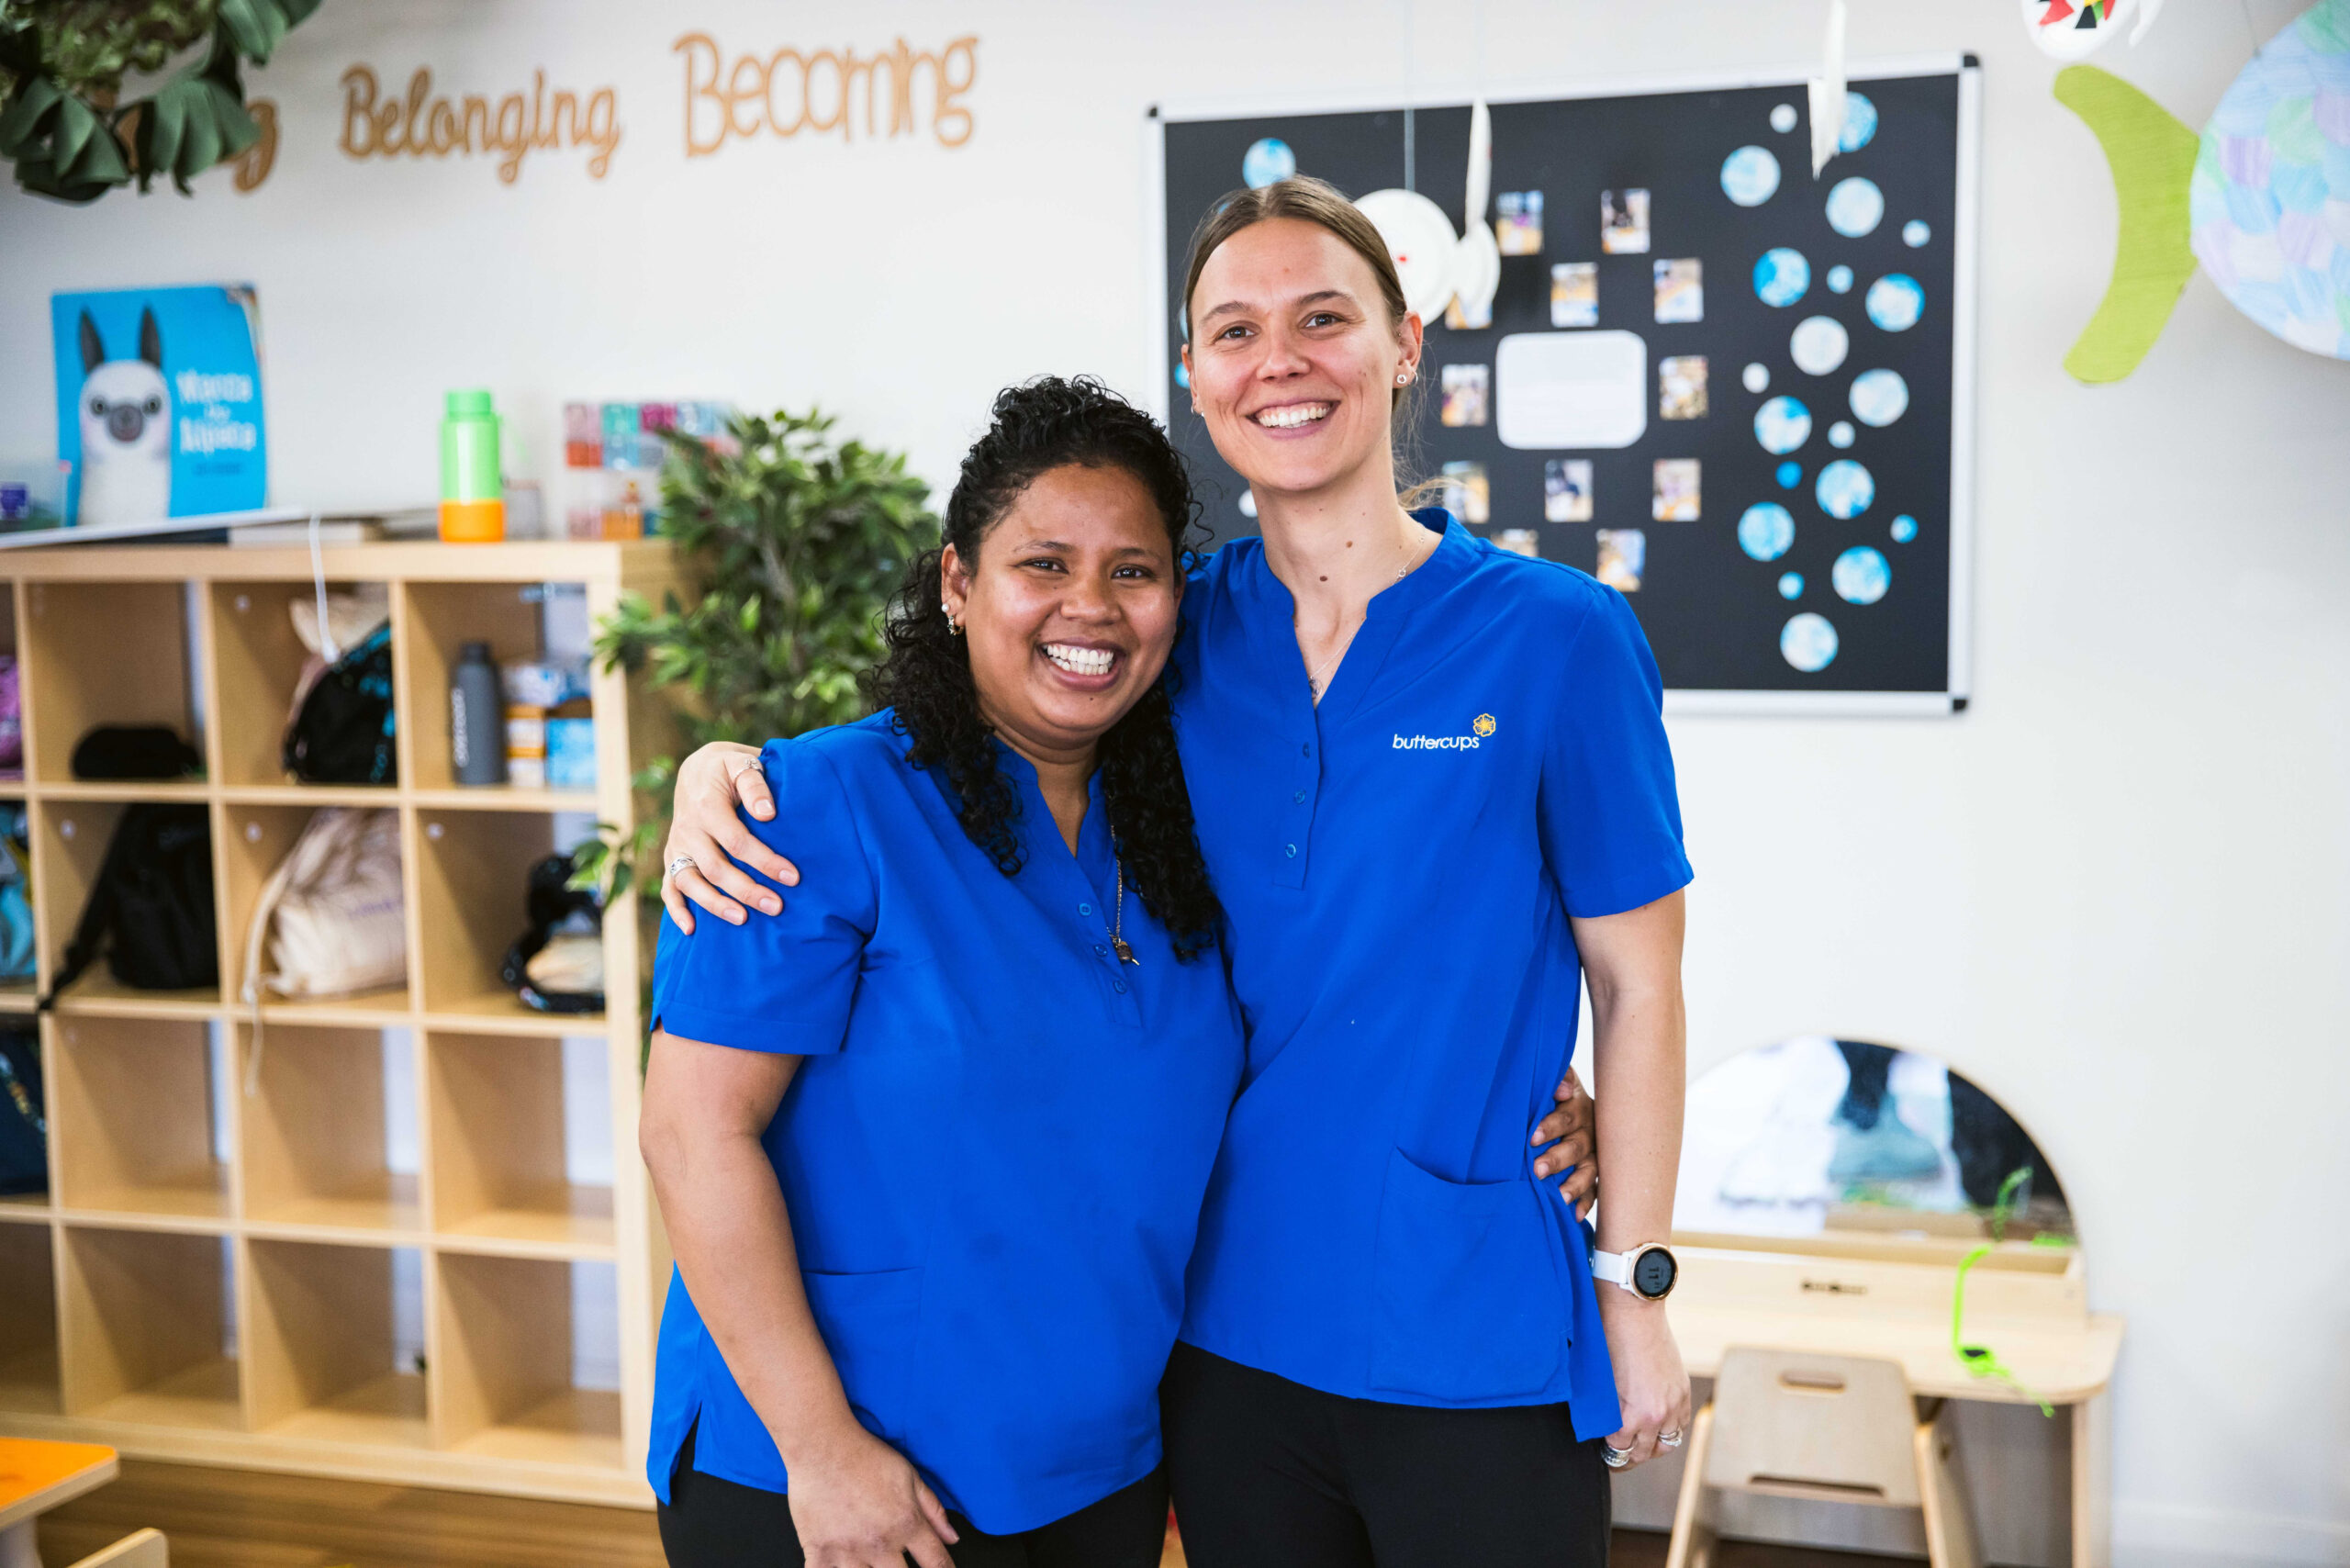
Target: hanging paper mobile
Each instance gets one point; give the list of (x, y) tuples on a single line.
[(2069, 29), (2258, 199)]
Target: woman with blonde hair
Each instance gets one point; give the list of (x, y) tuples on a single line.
[(1433, 789)]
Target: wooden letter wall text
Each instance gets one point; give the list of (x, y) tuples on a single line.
[(788, 92), (421, 126)]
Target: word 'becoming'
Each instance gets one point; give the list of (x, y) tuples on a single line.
[(788, 92), (421, 126)]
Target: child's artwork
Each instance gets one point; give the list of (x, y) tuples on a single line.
[(1623, 222)]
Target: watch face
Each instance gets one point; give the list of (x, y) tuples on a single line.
[(1653, 1275)]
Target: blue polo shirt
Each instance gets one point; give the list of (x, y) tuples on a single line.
[(994, 1153), (1398, 866)]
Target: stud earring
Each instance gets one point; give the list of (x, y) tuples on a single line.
[(1403, 378)]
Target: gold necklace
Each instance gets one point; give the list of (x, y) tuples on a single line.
[(1118, 922), (1313, 677)]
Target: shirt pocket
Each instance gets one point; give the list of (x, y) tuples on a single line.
[(1468, 1302), (869, 1323)]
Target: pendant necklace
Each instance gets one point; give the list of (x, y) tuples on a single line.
[(1313, 677), (1118, 922)]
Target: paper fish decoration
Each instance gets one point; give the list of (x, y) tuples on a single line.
[(2262, 199), (2070, 29)]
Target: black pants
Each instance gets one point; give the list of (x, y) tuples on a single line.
[(1270, 1473), (711, 1523)]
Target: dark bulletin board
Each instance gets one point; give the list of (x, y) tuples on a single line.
[(1714, 613)]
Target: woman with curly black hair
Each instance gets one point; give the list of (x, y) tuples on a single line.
[(930, 1145)]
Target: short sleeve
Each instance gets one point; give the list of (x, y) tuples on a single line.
[(1609, 810), (780, 983)]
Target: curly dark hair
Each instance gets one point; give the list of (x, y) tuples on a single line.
[(1048, 424)]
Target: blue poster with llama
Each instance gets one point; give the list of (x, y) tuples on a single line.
[(159, 403)]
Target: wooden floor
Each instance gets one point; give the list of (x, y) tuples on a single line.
[(246, 1518)]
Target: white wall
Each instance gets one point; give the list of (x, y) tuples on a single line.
[(2117, 890)]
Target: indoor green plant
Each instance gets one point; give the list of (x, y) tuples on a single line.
[(62, 121), (793, 545)]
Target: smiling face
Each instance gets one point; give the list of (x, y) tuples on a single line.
[(1295, 360), (1070, 609)]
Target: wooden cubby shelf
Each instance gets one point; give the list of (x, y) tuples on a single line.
[(344, 1235), (146, 1328), (325, 1368), (132, 1103), (504, 1378), (28, 1380)]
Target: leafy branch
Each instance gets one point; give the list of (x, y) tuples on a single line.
[(792, 543), (62, 65)]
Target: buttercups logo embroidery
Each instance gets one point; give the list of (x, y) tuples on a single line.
[(1484, 726)]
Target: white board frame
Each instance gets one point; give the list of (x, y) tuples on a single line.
[(1967, 272)]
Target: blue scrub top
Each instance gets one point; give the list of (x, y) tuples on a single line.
[(1397, 868), (994, 1154)]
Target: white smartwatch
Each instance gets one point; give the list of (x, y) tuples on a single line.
[(1648, 1270)]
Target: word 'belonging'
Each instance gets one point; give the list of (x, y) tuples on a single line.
[(421, 126)]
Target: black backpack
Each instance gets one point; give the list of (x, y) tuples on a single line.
[(342, 732), (24, 1131), (150, 909)]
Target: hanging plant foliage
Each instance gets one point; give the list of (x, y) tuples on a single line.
[(62, 122)]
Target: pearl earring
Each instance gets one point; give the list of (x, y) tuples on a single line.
[(953, 627)]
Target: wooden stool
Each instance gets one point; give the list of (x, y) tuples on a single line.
[(146, 1549), (1831, 1429)]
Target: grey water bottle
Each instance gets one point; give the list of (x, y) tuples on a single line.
[(477, 719)]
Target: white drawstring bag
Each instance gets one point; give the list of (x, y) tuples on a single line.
[(332, 916)]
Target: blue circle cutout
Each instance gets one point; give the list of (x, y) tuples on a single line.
[(1895, 302), (1844, 488), (1861, 575), (1879, 396), (1781, 276), (1859, 123), (1808, 642), (1182, 374), (1855, 206), (1915, 233), (1267, 161), (1790, 585), (1782, 425), (1839, 434), (1766, 531), (1790, 474), (1840, 279), (1750, 176), (1905, 529)]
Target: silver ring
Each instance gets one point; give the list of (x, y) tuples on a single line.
[(669, 872), (1672, 1439), (1614, 1458)]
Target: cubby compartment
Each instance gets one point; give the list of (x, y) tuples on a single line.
[(437, 621), (101, 653), (27, 1321), (472, 884), (70, 841), (148, 1334), (138, 1112), (321, 1129), (516, 1357), (258, 660), (324, 1357), (515, 1155), (255, 841)]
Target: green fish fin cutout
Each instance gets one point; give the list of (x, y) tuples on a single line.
[(2152, 154)]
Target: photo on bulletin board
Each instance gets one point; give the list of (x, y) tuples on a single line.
[(1740, 396)]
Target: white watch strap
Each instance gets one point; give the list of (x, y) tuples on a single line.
[(1612, 1267)]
